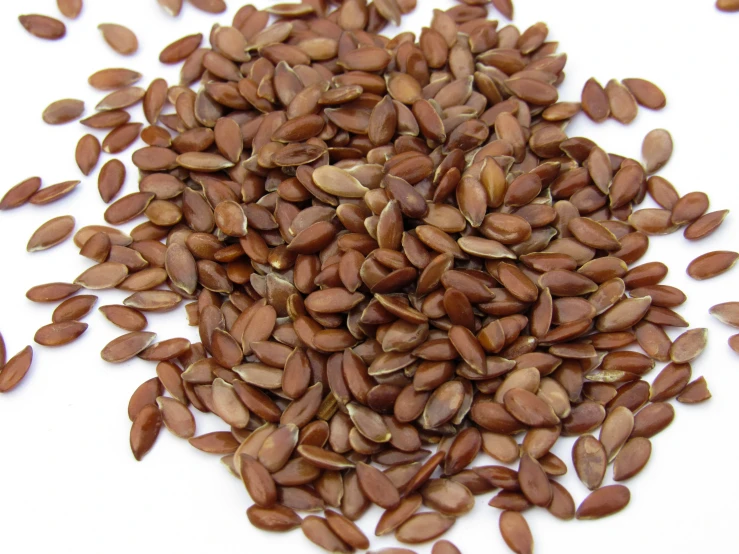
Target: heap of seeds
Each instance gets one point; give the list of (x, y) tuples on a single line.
[(395, 258)]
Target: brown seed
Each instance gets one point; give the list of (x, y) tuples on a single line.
[(110, 180), (219, 442), (621, 101), (423, 527), (712, 264), (121, 138), (20, 193), (119, 38), (15, 369), (122, 98), (106, 275), (52, 193), (51, 233), (277, 518), (124, 317), (51, 292), (632, 458), (63, 111), (127, 347), (516, 532), (318, 531), (209, 6), (529, 409), (652, 419), (128, 207), (656, 149), (111, 79), (87, 153), (646, 93), (180, 49), (688, 346), (727, 313), (604, 502), (590, 461), (616, 429), (43, 26), (595, 101), (74, 309), (58, 334), (177, 417), (447, 496), (145, 430), (69, 8), (705, 225), (444, 547), (377, 487)]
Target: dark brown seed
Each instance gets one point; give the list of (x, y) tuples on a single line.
[(15, 369), (712, 264), (51, 233), (604, 502), (43, 26), (516, 533), (145, 430), (119, 38)]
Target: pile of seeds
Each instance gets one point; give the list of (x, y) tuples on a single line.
[(395, 258)]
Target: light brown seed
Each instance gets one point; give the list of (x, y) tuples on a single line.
[(590, 461), (727, 313), (646, 93), (112, 79), (595, 101), (145, 430), (52, 193), (63, 111), (317, 530), (423, 527), (87, 153), (177, 417), (59, 334), (688, 346), (712, 264), (621, 101), (20, 193), (656, 149), (15, 369), (106, 275), (616, 430), (604, 502), (126, 347), (69, 8), (51, 233), (119, 38), (516, 533), (43, 26)]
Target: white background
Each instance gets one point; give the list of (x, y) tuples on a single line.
[(68, 481)]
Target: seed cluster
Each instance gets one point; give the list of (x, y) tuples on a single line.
[(388, 246)]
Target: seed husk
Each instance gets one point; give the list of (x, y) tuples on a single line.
[(63, 111), (15, 369), (43, 26), (604, 502), (119, 38), (51, 233), (695, 392)]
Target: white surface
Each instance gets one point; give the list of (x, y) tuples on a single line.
[(68, 482)]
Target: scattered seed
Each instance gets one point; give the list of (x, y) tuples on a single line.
[(51, 233), (604, 502), (15, 369), (43, 26), (63, 111), (119, 38)]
